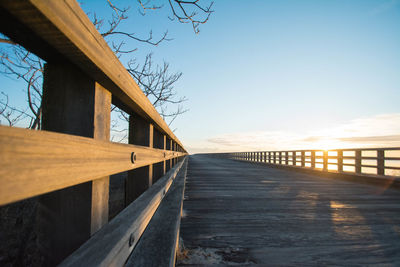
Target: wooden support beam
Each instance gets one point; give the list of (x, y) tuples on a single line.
[(313, 159), (340, 160), (357, 161), (165, 148), (325, 160), (139, 180), (100, 187), (380, 161), (171, 161), (74, 104)]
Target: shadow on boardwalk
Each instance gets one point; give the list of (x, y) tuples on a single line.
[(243, 213)]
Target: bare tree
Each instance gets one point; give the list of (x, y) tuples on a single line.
[(156, 81)]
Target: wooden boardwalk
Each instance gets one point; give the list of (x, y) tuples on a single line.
[(244, 213)]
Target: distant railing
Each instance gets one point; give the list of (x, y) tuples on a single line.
[(68, 164), (371, 161)]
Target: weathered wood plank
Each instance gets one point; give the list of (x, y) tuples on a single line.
[(64, 216), (53, 28), (251, 215), (112, 244), (29, 161), (139, 180), (157, 246), (100, 187)]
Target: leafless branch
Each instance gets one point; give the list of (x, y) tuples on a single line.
[(187, 11)]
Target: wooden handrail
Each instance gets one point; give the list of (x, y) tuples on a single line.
[(326, 162), (29, 161)]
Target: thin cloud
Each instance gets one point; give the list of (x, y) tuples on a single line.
[(375, 131), (386, 138)]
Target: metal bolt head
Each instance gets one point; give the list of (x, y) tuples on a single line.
[(133, 157), (131, 240)]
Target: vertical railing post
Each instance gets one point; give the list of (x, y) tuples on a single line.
[(158, 142), (325, 160), (165, 150), (269, 157), (172, 149), (380, 162), (141, 132), (72, 103), (294, 158), (280, 158), (303, 159), (313, 159), (168, 163), (340, 160), (358, 161), (275, 157), (286, 157)]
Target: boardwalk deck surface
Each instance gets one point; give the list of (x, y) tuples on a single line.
[(243, 213)]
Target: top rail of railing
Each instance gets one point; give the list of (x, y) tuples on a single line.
[(371, 161)]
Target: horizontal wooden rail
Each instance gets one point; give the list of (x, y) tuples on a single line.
[(335, 160), (61, 29), (112, 245), (37, 162)]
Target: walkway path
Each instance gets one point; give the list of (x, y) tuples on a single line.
[(239, 212)]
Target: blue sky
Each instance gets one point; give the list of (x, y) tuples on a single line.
[(267, 74)]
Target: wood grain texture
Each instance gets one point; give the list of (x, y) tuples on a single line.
[(139, 180), (30, 161), (110, 246), (253, 215), (157, 246), (64, 216), (62, 28), (100, 187)]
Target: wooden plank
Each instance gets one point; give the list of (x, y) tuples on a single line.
[(29, 161), (64, 216), (112, 245), (139, 180), (157, 245), (325, 161), (358, 161), (253, 215), (340, 160), (164, 147), (100, 187), (62, 28), (381, 162)]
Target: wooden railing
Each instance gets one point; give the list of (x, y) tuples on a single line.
[(368, 161), (68, 164)]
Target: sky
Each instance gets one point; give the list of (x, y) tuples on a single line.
[(277, 75)]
